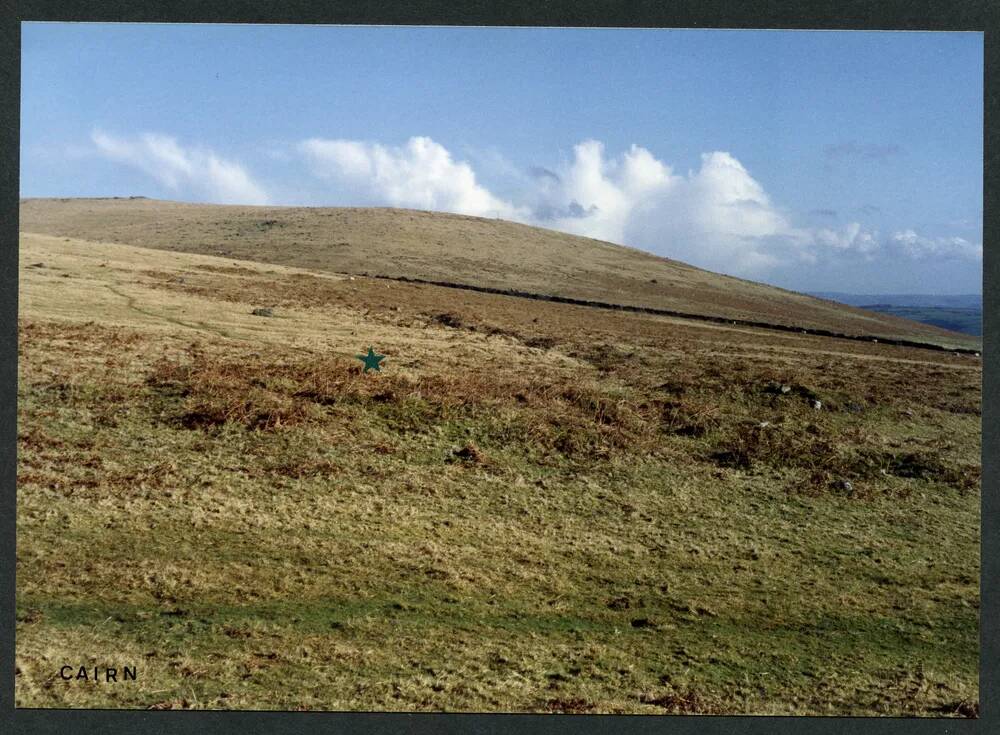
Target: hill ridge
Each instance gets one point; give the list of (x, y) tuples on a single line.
[(461, 249)]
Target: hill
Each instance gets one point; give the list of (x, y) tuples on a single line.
[(533, 507), (957, 313), (942, 301), (456, 249), (967, 321)]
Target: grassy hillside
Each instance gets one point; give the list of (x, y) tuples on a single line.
[(534, 507), (453, 248)]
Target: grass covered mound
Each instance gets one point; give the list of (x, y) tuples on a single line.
[(532, 508)]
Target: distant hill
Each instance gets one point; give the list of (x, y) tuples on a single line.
[(946, 301), (967, 321), (456, 249), (958, 313)]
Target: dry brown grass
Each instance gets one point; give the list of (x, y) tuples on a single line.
[(486, 525), (454, 248), (574, 419), (270, 394)]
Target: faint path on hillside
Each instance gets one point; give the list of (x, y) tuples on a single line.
[(130, 302), (197, 326)]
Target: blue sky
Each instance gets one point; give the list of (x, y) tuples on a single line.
[(847, 161)]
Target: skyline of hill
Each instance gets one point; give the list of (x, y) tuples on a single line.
[(461, 250)]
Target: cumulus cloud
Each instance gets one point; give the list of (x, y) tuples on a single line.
[(850, 238), (913, 245), (421, 174), (598, 197), (717, 216), (183, 169)]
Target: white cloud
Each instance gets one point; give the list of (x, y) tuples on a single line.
[(717, 216), (852, 238), (178, 168), (597, 197), (910, 243), (421, 174)]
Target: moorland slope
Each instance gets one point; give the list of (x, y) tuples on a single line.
[(451, 248), (533, 507)]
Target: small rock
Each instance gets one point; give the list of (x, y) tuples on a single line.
[(350, 278), (909, 412), (786, 389), (265, 311), (817, 405), (764, 424), (846, 485)]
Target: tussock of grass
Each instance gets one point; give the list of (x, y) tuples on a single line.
[(691, 417), (830, 460)]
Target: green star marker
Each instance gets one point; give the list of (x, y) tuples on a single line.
[(371, 360)]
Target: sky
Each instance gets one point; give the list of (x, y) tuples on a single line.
[(815, 161)]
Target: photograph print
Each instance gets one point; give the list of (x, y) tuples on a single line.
[(499, 370)]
